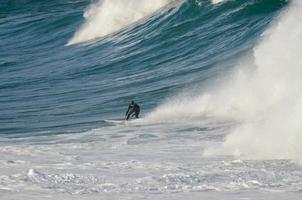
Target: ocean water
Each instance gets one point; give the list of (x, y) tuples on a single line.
[(218, 82)]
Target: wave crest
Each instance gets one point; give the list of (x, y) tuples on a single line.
[(108, 16)]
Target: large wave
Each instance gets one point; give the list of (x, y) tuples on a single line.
[(263, 95), (273, 94), (107, 16)]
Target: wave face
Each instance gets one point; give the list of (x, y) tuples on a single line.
[(49, 87), (272, 107), (107, 16), (218, 82)]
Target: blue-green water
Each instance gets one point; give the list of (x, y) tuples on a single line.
[(47, 86)]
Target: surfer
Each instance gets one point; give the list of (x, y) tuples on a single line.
[(134, 109)]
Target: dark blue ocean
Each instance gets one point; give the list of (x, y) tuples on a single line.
[(218, 83)]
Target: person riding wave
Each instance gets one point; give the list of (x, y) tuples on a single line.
[(133, 109)]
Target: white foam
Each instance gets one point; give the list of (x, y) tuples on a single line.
[(108, 16), (36, 176), (274, 96), (267, 100)]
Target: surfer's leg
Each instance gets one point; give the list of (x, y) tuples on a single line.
[(129, 114), (137, 113)]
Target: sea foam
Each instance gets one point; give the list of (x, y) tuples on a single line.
[(273, 94), (107, 16), (263, 96)]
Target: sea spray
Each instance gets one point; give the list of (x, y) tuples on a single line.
[(268, 102), (276, 86), (263, 96), (107, 16)]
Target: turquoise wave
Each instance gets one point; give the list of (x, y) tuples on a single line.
[(49, 88)]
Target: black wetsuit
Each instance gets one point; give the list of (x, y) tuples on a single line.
[(134, 109)]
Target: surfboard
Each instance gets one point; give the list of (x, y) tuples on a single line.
[(115, 121), (119, 121)]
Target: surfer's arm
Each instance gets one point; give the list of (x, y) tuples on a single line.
[(128, 110)]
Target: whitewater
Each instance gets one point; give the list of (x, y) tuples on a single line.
[(218, 82)]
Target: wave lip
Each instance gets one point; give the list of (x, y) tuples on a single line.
[(108, 16)]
